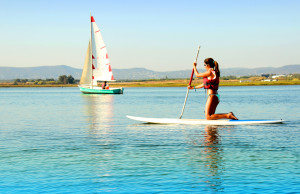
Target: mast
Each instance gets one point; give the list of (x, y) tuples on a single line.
[(91, 49)]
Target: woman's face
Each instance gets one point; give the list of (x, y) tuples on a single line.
[(206, 66)]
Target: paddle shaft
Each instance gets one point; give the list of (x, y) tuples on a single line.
[(191, 79), (192, 75)]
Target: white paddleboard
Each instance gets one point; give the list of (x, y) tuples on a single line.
[(203, 121)]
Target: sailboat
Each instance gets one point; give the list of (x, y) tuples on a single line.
[(97, 66)]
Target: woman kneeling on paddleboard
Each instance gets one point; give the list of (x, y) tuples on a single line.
[(211, 83)]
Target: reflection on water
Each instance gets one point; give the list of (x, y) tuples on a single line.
[(207, 154), (100, 118), (213, 157), (100, 115)]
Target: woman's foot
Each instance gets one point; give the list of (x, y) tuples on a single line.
[(231, 116)]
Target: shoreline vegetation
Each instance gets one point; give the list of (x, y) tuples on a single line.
[(163, 83)]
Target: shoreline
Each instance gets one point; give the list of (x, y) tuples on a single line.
[(184, 83), (166, 83)]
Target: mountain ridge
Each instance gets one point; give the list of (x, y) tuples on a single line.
[(46, 72)]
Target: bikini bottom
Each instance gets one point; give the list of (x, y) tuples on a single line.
[(215, 95)]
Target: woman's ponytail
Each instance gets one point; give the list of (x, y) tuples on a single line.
[(217, 68)]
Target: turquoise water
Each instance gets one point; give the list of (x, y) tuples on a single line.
[(57, 140)]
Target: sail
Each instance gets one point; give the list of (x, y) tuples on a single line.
[(103, 71), (86, 76)]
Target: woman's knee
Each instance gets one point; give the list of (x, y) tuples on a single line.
[(208, 117)]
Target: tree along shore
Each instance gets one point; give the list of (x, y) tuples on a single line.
[(165, 83)]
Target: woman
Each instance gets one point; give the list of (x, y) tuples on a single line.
[(211, 83)]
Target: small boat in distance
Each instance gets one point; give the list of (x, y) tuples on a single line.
[(97, 66)]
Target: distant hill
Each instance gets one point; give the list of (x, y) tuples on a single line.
[(142, 73), (43, 72)]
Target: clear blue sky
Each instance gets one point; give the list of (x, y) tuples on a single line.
[(156, 34)]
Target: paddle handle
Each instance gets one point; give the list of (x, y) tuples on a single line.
[(191, 79)]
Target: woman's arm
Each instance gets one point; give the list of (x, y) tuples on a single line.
[(196, 87), (199, 86), (205, 74)]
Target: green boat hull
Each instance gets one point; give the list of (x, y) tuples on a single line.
[(101, 91)]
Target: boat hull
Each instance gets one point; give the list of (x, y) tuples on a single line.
[(203, 122), (98, 90)]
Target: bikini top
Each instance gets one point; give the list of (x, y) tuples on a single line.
[(213, 83)]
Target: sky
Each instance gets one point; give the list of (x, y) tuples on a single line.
[(160, 35)]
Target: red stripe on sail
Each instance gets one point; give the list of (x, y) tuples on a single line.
[(93, 67), (109, 68), (93, 57), (93, 77), (107, 55), (112, 77), (102, 47), (97, 31), (92, 19)]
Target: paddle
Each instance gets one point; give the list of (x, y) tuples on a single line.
[(191, 79)]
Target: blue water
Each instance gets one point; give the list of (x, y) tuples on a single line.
[(57, 140)]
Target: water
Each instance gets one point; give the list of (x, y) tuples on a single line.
[(57, 140)]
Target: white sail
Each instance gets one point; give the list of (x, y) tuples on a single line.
[(86, 76), (102, 71)]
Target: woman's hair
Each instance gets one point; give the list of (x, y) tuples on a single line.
[(213, 64)]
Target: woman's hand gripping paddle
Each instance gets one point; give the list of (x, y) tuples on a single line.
[(191, 79)]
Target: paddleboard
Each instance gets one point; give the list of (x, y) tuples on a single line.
[(203, 121)]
